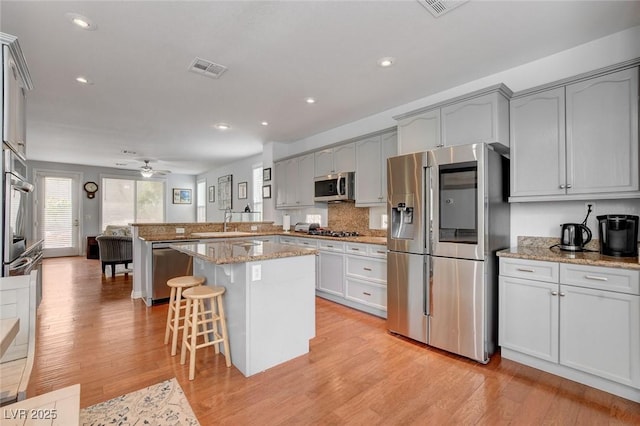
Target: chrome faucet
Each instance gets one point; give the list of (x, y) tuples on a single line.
[(227, 219)]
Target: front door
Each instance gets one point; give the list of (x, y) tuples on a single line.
[(57, 212)]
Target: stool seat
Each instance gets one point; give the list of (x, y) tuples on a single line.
[(177, 304), (186, 281), (203, 292), (212, 322)]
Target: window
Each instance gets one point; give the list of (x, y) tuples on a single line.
[(313, 218), (126, 201), (201, 201), (58, 212), (257, 190)]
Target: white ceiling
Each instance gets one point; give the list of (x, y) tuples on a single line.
[(143, 99)]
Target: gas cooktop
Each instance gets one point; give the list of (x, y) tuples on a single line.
[(330, 233)]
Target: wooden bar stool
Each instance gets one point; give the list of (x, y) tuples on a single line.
[(176, 305), (212, 321)]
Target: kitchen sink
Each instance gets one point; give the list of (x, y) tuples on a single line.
[(220, 234)]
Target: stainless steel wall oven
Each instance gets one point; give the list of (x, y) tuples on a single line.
[(15, 204)]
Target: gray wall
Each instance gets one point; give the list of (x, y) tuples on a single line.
[(90, 208)]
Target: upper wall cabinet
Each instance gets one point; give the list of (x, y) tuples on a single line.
[(419, 132), (482, 116), (371, 168), (577, 141), (15, 83), (481, 119), (294, 182), (335, 160)]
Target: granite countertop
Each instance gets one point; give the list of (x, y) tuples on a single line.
[(582, 258), (187, 236), (240, 251)]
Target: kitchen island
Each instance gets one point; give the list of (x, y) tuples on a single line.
[(269, 300)]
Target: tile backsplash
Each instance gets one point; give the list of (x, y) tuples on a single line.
[(348, 217)]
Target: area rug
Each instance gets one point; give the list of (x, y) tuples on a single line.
[(162, 404)]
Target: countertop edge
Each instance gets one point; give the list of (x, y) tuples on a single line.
[(549, 255)]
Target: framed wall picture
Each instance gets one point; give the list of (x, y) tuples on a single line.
[(212, 194), (225, 192), (181, 196), (266, 174), (242, 190), (266, 191)]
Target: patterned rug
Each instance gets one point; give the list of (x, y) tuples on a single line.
[(162, 404)]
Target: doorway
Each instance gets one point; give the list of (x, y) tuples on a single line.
[(57, 212)]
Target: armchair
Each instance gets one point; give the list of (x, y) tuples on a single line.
[(116, 248)]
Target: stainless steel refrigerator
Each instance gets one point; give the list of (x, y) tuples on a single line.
[(448, 215)]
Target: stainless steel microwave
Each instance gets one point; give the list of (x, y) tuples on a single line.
[(336, 187)]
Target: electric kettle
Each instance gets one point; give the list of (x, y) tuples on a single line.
[(574, 236)]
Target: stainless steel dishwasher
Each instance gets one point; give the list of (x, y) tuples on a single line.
[(168, 263)]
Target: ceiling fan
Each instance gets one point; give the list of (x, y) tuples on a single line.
[(148, 171)]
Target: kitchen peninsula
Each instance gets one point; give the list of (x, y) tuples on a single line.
[(269, 299)]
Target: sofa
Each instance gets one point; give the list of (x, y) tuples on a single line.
[(116, 247)]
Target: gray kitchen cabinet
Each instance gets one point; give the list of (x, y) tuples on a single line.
[(577, 141), (331, 272), (16, 81), (280, 183), (371, 168), (538, 149), (480, 119), (602, 134), (334, 160), (419, 132), (481, 116), (294, 182), (578, 321)]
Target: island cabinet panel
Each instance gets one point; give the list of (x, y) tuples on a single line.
[(270, 315)]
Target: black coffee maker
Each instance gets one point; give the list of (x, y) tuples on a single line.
[(618, 235)]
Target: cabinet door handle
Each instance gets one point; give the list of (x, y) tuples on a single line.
[(562, 294), (367, 269), (366, 294), (569, 185), (596, 278), (381, 251), (554, 293), (563, 186), (330, 246), (525, 269), (355, 249)]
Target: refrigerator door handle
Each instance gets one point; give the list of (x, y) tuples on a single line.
[(427, 285)]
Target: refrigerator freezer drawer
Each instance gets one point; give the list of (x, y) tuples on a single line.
[(457, 321), (406, 303)]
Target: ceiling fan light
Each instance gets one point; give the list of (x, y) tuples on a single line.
[(146, 173)]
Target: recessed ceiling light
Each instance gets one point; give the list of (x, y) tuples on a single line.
[(82, 21), (265, 123), (83, 80), (386, 61), (310, 100), (222, 126)]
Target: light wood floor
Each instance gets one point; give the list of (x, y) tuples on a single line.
[(91, 332)]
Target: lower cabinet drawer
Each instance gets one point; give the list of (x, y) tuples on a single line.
[(374, 295), (367, 268), (608, 279)]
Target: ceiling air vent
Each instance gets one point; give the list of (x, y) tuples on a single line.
[(207, 68), (440, 7)]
